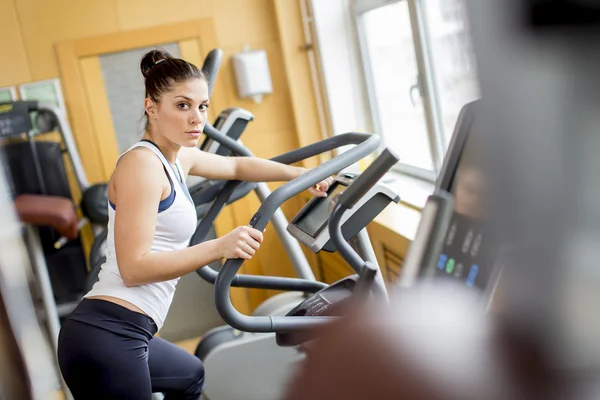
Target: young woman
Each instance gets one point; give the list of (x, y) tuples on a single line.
[(107, 348)]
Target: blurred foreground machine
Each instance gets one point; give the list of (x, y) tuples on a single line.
[(539, 125)]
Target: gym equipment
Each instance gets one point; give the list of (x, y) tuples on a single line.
[(227, 276), (27, 363), (538, 154), (276, 305), (540, 144), (250, 364), (453, 240), (262, 366), (230, 123), (43, 201), (453, 245), (337, 299)]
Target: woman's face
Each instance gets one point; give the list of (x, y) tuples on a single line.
[(181, 113)]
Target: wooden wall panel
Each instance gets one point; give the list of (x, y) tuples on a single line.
[(297, 69), (105, 142), (15, 67), (136, 14), (240, 22), (46, 22)]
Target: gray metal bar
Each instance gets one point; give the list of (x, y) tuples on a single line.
[(19, 310), (225, 140), (335, 233), (211, 66), (246, 323), (322, 146), (277, 283), (368, 178), (36, 162), (45, 287), (366, 249), (351, 256)]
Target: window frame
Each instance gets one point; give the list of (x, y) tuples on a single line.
[(437, 140)]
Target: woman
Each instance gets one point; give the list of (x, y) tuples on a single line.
[(107, 348)]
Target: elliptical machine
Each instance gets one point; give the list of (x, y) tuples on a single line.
[(249, 363), (353, 203)]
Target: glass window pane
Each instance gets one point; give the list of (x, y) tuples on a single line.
[(394, 77), (453, 59)]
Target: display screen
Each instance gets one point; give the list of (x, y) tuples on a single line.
[(315, 218), (469, 252)]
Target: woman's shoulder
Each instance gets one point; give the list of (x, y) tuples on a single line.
[(138, 163), (138, 171), (141, 155)]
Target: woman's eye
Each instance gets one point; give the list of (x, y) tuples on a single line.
[(204, 107), (183, 106)]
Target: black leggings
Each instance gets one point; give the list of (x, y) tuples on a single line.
[(106, 351)]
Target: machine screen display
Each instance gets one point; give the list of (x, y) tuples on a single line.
[(469, 252), (316, 217)]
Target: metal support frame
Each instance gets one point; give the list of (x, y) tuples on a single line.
[(44, 286)]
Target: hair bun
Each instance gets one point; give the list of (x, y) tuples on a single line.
[(152, 58)]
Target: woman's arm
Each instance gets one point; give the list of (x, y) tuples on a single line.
[(250, 169), (256, 169), (138, 192)]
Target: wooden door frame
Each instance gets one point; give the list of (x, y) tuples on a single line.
[(99, 154)]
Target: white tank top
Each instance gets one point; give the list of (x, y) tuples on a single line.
[(175, 224)]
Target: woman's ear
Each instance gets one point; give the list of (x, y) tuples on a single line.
[(150, 108)]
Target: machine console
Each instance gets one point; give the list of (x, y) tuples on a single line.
[(309, 226), (326, 302), (469, 252)]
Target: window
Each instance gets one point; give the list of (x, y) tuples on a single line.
[(393, 82), (454, 74), (417, 71)]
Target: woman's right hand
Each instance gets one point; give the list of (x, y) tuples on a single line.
[(242, 242)]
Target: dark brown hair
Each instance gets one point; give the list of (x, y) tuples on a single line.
[(162, 71)]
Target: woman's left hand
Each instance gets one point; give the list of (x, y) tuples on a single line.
[(320, 189)]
